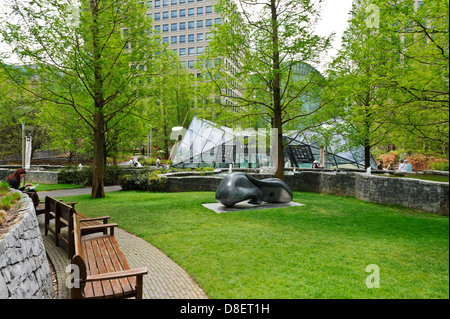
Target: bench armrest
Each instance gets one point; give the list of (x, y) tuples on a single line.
[(93, 218), (118, 274), (98, 227)]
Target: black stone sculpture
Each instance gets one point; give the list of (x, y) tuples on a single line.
[(237, 187)]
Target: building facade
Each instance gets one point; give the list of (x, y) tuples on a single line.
[(184, 25)]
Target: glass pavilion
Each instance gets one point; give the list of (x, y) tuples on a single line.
[(205, 144)]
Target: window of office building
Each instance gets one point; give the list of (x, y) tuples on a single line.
[(173, 27), (199, 37), (182, 38), (165, 15), (190, 64), (157, 16), (149, 4), (165, 3), (183, 64), (173, 2), (191, 12), (157, 3), (217, 21), (199, 50), (208, 23), (191, 51), (149, 15), (182, 52), (199, 10), (157, 28), (208, 9), (191, 25), (199, 24), (165, 28), (190, 38), (174, 14), (173, 39), (190, 1), (182, 13), (182, 25), (166, 39)]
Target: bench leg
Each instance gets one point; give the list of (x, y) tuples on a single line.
[(139, 284), (57, 231)]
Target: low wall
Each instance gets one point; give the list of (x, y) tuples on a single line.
[(33, 176), (24, 269), (422, 195)]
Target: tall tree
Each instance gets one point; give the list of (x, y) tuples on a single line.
[(93, 56), (421, 78), (391, 75), (358, 75), (252, 61)]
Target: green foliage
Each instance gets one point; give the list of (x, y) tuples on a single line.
[(440, 166), (4, 187), (390, 82), (9, 200), (151, 182), (73, 175)]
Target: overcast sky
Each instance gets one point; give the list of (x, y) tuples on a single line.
[(334, 17)]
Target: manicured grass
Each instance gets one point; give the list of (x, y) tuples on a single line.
[(320, 250), (53, 187)]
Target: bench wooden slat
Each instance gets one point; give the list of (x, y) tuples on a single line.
[(118, 261), (107, 272), (110, 287)]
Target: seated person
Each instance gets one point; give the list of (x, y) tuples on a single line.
[(14, 179)]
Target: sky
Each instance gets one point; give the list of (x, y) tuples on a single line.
[(334, 17)]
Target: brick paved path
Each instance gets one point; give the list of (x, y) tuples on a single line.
[(165, 279)]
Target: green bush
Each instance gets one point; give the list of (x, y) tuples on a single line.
[(74, 175), (135, 182), (156, 184), (439, 166)]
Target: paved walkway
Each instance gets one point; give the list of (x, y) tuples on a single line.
[(165, 279)]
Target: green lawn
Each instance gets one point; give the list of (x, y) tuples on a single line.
[(320, 250), (52, 187)]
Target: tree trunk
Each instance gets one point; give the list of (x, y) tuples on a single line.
[(366, 156), (99, 157), (277, 108), (99, 121)]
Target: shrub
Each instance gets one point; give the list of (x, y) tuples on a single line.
[(135, 182), (156, 184), (440, 166)]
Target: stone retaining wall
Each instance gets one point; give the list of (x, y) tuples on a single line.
[(427, 196), (24, 269), (33, 176)]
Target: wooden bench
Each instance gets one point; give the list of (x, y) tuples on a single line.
[(39, 206), (62, 214), (104, 271)]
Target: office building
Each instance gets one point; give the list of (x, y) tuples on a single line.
[(185, 25)]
